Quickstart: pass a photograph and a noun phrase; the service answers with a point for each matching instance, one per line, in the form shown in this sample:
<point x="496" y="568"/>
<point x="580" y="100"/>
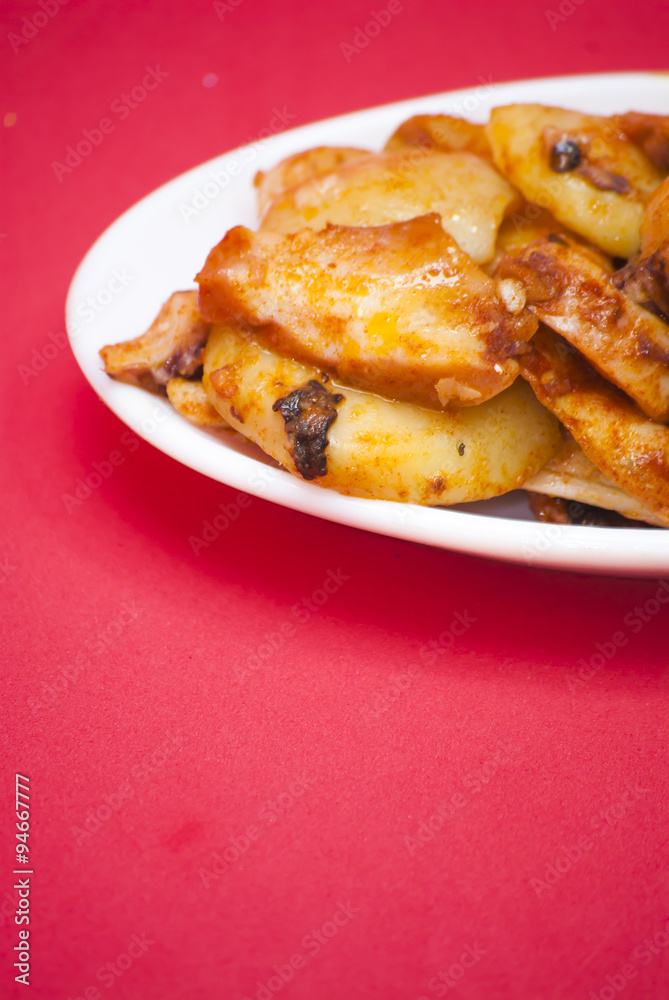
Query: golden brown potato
<point x="568" y="289"/>
<point x="366" y="446"/>
<point x="468" y="193"/>
<point x="300" y="167"/>
<point x="580" y="167"/>
<point x="396" y="309"/>
<point x="441" y="133"/>
<point x="171" y="346"/>
<point x="625" y="445"/>
<point x="188" y="397"/>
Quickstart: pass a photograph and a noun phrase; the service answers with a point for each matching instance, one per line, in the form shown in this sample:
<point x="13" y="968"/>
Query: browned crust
<point x="308" y="412"/>
<point x="171" y="346"/>
<point x="568" y="289"/>
<point x="625" y="445"/>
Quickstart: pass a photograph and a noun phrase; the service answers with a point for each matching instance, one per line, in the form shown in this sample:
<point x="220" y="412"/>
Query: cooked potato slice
<point x="569" y="289"/>
<point x="396" y="309"/>
<point x="443" y="133"/>
<point x="571" y="475"/>
<point x="582" y="168"/>
<point x="366" y="446"/>
<point x="469" y="195"/>
<point x="300" y="167"/>
<point x="191" y="401"/>
<point x="625" y="445"/>
<point x="171" y="346"/>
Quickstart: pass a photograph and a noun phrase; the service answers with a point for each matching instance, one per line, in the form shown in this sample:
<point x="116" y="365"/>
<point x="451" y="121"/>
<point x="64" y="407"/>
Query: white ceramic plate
<point x="158" y="246"/>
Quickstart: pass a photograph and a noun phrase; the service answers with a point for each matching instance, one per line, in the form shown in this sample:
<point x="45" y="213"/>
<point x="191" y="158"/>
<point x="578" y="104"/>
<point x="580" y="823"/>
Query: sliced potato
<point x="189" y="398"/>
<point x="396" y="309"/>
<point x="599" y="181"/>
<point x="366" y="446"/>
<point x="468" y="194"/>
<point x="443" y="133"/>
<point x="625" y="445"/>
<point x="300" y="167"/>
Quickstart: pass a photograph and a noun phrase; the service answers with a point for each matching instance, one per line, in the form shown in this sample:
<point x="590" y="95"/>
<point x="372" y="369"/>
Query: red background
<point x="157" y="717"/>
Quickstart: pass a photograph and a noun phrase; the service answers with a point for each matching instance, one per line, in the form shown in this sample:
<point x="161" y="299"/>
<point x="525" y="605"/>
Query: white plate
<point x="158" y="246"/>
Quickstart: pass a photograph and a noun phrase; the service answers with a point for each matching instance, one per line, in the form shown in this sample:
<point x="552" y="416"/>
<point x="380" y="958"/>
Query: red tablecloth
<point x="407" y="791"/>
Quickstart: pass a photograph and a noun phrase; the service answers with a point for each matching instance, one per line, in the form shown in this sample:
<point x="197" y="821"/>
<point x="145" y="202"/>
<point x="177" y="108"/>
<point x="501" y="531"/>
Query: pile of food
<point x="473" y="310"/>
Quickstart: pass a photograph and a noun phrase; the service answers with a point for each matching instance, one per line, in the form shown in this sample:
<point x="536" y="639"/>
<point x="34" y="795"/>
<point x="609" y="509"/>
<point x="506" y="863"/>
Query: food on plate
<point x="171" y="346"/>
<point x="189" y="397"/>
<point x="575" y="293"/>
<point x="615" y="435"/>
<point x="443" y="133"/>
<point x="582" y="168"/>
<point x="476" y="308"/>
<point x="366" y="446"/>
<point x="397" y="309"/>
<point x="468" y="194"/>
<point x="299" y="168"/>
<point x="570" y="475"/>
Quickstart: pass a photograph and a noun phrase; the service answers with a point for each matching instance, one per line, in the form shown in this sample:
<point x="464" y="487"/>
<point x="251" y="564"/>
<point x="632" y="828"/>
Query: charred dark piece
<point x="555" y="510"/>
<point x="647" y="283"/>
<point x="565" y="156"/>
<point x="308" y="412"/>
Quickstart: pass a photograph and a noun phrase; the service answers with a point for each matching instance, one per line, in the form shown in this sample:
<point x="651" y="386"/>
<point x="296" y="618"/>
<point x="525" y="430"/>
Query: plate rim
<point x="573" y="548"/>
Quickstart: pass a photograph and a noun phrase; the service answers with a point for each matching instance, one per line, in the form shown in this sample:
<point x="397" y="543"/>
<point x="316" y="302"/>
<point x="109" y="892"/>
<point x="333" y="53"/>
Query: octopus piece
<point x="570" y="289"/>
<point x="631" y="450"/>
<point x="355" y="442"/>
<point x="171" y="346"/>
<point x="582" y="168"/>
<point x="646" y="279"/>
<point x="272" y="184"/>
<point x="650" y="132"/>
<point x="395" y="309"/>
<point x="466" y="191"/>
<point x="582" y="493"/>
